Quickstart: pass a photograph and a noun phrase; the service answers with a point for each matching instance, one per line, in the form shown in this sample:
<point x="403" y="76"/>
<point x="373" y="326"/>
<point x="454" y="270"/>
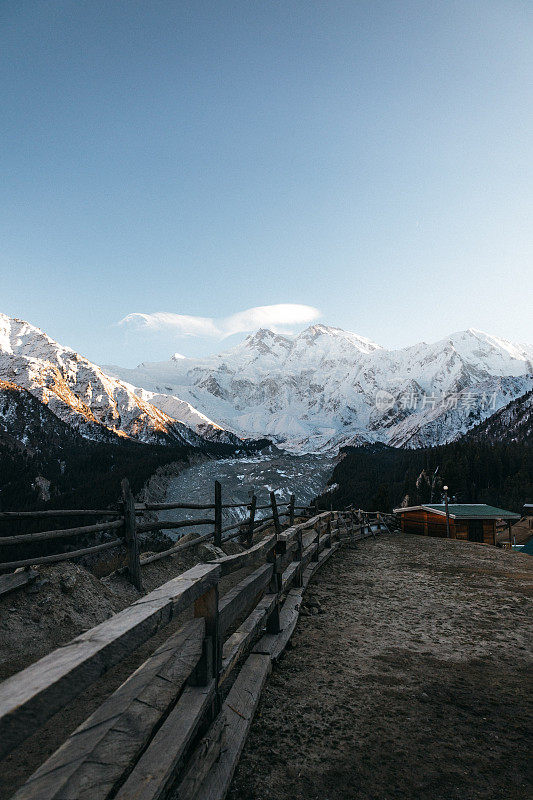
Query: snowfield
<point x="309" y="393"/>
<point x="327" y="387"/>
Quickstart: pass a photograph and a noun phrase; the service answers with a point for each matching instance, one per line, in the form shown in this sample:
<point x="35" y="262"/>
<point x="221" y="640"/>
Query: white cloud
<point x="282" y="314"/>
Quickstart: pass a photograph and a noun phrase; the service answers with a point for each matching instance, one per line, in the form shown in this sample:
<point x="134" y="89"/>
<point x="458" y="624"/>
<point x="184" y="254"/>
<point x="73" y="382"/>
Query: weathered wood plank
<point x="53" y="559"/>
<point x="32" y="696"/>
<point x="8" y="583"/>
<point x="156" y="769"/>
<point x="130" y="535"/>
<point x="238" y="710"/>
<point x="308" y="554"/>
<point x="289" y="575"/>
<point x="315" y="565"/>
<point x="258" y="552"/>
<point x="290" y="533"/>
<point x="206" y="753"/>
<point x="239" y="642"/>
<point x="64" y="512"/>
<point x="7" y="541"/>
<point x="273" y="644"/>
<point x="245" y="594"/>
<point x="100" y="752"/>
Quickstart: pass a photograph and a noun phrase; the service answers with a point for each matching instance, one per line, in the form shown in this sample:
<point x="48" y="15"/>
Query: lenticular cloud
<point x="282" y="314"/>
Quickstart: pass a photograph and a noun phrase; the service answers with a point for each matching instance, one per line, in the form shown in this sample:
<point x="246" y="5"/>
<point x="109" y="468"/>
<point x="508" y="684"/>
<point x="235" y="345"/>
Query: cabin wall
<point x="489" y="531"/>
<point x="425" y="523"/>
<point x="461" y="529"/>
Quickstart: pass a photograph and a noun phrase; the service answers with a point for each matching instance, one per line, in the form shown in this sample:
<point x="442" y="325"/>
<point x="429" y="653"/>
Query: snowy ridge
<point x="326" y="387"/>
<point x="82" y="395"/>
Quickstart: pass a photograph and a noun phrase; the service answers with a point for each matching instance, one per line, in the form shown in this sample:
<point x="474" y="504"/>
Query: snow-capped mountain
<point x="512" y="423"/>
<point x="326" y="387"/>
<point x="95" y="404"/>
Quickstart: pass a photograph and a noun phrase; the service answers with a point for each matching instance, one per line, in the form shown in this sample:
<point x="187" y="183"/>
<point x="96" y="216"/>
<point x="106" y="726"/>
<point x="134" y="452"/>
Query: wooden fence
<point x="124" y="522"/>
<point x="181" y="719"/>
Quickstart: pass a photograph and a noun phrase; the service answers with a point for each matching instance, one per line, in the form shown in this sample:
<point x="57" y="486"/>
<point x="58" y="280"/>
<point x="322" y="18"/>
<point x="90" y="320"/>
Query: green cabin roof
<point x="471" y="511"/>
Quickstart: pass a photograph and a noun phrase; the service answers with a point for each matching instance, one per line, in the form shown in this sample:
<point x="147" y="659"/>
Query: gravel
<point x="413" y="681"/>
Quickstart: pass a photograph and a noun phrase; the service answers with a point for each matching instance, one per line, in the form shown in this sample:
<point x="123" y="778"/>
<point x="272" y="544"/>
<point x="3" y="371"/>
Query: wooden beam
<point x="251" y="521"/>
<point x="275" y="515"/>
<point x="130" y="535"/>
<point x="172" y="524"/>
<point x="246" y="634"/>
<point x="64" y="512"/>
<point x="7" y="541"/>
<point x="244" y="595"/>
<point x="218" y="514"/>
<point x="272" y="644"/>
<point x="202" y="761"/>
<point x="101" y="751"/>
<point x="29" y="562"/>
<point x="257" y="552"/>
<point x="156" y="770"/>
<point x="32" y="696"/>
<point x="238" y="710"/>
<point x="291" y="510"/>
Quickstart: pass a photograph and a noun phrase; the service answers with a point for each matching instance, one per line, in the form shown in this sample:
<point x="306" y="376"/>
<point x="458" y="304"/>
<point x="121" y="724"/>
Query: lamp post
<point x="447" y="512"/>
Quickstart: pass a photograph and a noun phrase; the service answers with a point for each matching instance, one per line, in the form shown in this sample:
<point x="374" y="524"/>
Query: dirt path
<point x="411" y="683"/>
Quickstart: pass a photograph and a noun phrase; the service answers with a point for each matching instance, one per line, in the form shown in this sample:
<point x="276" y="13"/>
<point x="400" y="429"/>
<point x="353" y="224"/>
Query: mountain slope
<point x="326" y="387"/>
<point x="513" y="423"/>
<point x="45" y="462"/>
<point x="82" y="395"/>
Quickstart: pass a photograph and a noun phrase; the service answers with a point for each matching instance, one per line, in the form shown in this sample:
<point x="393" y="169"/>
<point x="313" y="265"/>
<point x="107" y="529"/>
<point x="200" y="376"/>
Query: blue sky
<point x="370" y="160"/>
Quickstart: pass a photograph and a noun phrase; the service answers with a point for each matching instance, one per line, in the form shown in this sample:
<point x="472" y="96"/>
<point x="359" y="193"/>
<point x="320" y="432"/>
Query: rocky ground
<point x="409" y="678"/>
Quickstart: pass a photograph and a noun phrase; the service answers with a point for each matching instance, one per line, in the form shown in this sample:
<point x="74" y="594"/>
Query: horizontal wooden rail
<point x="65" y="512"/>
<point x="121" y="728"/>
<point x="32" y="696"/>
<point x="53" y="559"/>
<point x="260" y="550"/>
<point x="42" y="536"/>
<point x="172" y="524"/>
<point x="141" y="507"/>
<point x="176" y="549"/>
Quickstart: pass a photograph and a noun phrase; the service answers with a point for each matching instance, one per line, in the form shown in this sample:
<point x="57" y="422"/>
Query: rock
<point x="208" y="552"/>
<point x="67" y="583"/>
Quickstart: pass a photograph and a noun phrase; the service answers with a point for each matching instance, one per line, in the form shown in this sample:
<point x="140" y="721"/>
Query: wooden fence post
<point x="316" y="554"/>
<point x="130" y="535"/>
<point x="210" y="664"/>
<point x="298" y="578"/>
<point x="328" y="534"/>
<point x="218" y="514"/>
<point x="291" y="510"/>
<point x="275" y="514"/>
<point x="251" y="521"/>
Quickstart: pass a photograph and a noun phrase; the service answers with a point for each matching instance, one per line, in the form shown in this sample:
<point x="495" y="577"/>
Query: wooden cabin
<point x="473" y="522"/>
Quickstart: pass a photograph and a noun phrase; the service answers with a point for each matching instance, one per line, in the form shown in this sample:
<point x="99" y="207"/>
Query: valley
<point x="304" y="476"/>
